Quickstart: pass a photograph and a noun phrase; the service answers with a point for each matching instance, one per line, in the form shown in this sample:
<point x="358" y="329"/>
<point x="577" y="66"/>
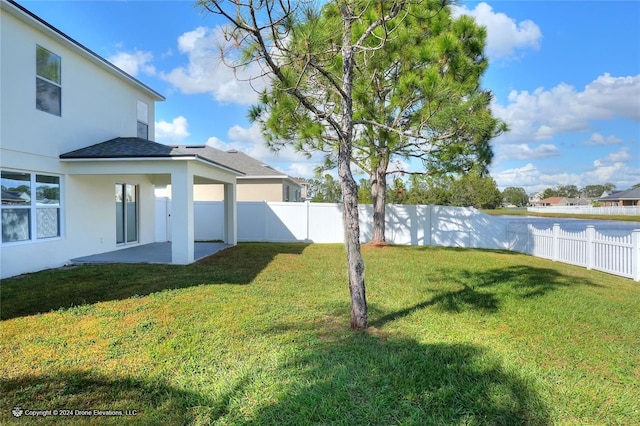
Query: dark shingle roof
<point x="248" y="165"/>
<point x="629" y="194"/>
<point x="142" y="148"/>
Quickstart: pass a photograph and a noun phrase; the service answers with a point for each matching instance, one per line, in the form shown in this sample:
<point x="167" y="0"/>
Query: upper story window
<point x="143" y="120"/>
<point x="48" y="81"/>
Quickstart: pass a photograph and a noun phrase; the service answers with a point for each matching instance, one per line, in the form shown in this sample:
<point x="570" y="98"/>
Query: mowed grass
<point x="258" y="334"/>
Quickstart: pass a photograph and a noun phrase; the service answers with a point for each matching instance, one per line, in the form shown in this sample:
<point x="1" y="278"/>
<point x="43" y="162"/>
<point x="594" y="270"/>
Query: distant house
<point x="258" y="182"/>
<point x="304" y="192"/>
<point x="77" y="166"/>
<point x="630" y="197"/>
<point x="535" y="198"/>
<point x="562" y="201"/>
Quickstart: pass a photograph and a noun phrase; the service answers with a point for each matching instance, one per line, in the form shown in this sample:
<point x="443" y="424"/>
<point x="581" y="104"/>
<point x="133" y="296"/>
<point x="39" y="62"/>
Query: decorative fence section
<point x="414" y="225"/>
<point x="608" y="211"/>
<point x="618" y="255"/>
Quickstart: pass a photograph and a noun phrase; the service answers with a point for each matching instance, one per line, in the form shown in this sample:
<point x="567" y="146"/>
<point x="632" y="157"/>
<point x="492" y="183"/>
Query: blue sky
<point x="565" y="75"/>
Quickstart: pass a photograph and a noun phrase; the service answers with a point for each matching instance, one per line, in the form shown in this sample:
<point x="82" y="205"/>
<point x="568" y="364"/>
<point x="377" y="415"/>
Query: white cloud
<point x="544" y="113"/>
<point x="134" y="63"/>
<point x="527" y="177"/>
<point x="505" y="36"/>
<point x="616" y="167"/>
<point x="525" y="152"/>
<point x="598" y="139"/>
<point x="207" y="73"/>
<point x="533" y="179"/>
<point x="613" y="158"/>
<point x="173" y="133"/>
<point x="251" y="141"/>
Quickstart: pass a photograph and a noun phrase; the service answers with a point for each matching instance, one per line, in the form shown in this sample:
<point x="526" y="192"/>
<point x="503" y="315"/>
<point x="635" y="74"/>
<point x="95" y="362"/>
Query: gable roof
<point x="35" y="21"/>
<point x="552" y="200"/>
<point x="242" y="164"/>
<point x="629" y="194"/>
<point x="138" y="148"/>
<point x="251" y="167"/>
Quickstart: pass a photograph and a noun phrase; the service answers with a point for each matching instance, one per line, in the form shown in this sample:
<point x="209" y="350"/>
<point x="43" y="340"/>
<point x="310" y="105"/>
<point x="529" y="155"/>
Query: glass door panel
<point x="132" y="213"/>
<point x="126" y="213"/>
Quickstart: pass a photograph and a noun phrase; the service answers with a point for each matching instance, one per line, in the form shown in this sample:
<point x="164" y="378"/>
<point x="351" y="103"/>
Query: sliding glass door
<point x="126" y="213"/>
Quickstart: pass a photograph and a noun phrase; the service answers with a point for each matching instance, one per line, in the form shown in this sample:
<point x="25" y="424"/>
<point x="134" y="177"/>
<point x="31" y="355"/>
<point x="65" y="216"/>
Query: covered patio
<point x="158" y="253"/>
<point x="142" y="165"/>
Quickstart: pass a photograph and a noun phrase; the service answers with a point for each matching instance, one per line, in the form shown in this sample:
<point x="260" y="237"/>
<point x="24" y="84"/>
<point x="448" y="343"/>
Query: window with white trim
<point x="30" y="206"/>
<point x="48" y="81"/>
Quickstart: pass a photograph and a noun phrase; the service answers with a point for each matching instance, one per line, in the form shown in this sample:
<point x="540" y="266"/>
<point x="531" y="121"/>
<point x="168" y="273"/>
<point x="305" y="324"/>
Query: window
<point x="143" y="120"/>
<point x="30" y="206"/>
<point x="48" y="81"/>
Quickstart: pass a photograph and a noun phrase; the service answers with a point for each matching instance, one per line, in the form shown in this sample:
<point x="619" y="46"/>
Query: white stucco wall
<point x="98" y="104"/>
<point x="88" y="224"/>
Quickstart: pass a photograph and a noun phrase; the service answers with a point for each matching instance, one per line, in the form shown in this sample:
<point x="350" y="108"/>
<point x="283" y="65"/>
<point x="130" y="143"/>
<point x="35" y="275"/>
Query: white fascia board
<point x="134" y="159"/>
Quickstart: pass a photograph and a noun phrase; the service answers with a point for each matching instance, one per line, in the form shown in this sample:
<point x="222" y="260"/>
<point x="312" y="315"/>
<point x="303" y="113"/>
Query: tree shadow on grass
<point x="484" y="291"/>
<point x="356" y="378"/>
<point x="62" y="288"/>
<point x="144" y="402"/>
<point x="343" y="378"/>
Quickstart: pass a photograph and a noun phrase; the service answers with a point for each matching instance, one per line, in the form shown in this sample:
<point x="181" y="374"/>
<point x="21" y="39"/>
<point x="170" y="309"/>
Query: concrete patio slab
<point x="149" y="253"/>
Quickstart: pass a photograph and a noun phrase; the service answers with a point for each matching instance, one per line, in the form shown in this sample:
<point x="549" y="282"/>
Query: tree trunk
<point x="359" y="315"/>
<point x="378" y="179"/>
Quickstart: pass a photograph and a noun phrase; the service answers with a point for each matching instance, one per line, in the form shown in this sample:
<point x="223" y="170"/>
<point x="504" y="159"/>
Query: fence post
<point x="591" y="233"/>
<point x="429" y="227"/>
<point x="265" y="209"/>
<point x="556" y="242"/>
<point x="635" y="256"/>
<point x="308" y="204"/>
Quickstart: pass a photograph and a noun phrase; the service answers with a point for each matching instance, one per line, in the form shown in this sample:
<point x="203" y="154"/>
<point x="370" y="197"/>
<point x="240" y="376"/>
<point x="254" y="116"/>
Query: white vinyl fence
<point x="605" y="211"/>
<point x="413" y="225"/>
<point x="618" y="255"/>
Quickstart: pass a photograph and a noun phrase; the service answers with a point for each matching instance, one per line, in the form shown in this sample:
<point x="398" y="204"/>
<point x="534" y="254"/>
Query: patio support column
<point x="182" y="244"/>
<point x="230" y="214"/>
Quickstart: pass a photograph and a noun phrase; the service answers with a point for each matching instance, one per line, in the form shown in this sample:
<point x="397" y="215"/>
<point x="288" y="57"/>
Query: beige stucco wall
<point x="246" y="190"/>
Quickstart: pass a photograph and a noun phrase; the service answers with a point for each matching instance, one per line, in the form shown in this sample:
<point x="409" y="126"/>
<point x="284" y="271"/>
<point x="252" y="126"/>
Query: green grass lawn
<point x="258" y="334"/>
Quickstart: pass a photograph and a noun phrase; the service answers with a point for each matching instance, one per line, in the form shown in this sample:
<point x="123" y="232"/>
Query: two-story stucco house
<point x="78" y="168"/>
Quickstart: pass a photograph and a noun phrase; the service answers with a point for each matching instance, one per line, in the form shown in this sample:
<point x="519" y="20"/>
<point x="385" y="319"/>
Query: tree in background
<point x="364" y="192"/>
<point x="312" y="57"/>
<point x="515" y="195"/>
<point x="595" y="191"/>
<point x="475" y="190"/>
<point x="425" y="189"/>
<point x="569" y="191"/>
<point x="397" y="192"/>
<point x="325" y="190"/>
